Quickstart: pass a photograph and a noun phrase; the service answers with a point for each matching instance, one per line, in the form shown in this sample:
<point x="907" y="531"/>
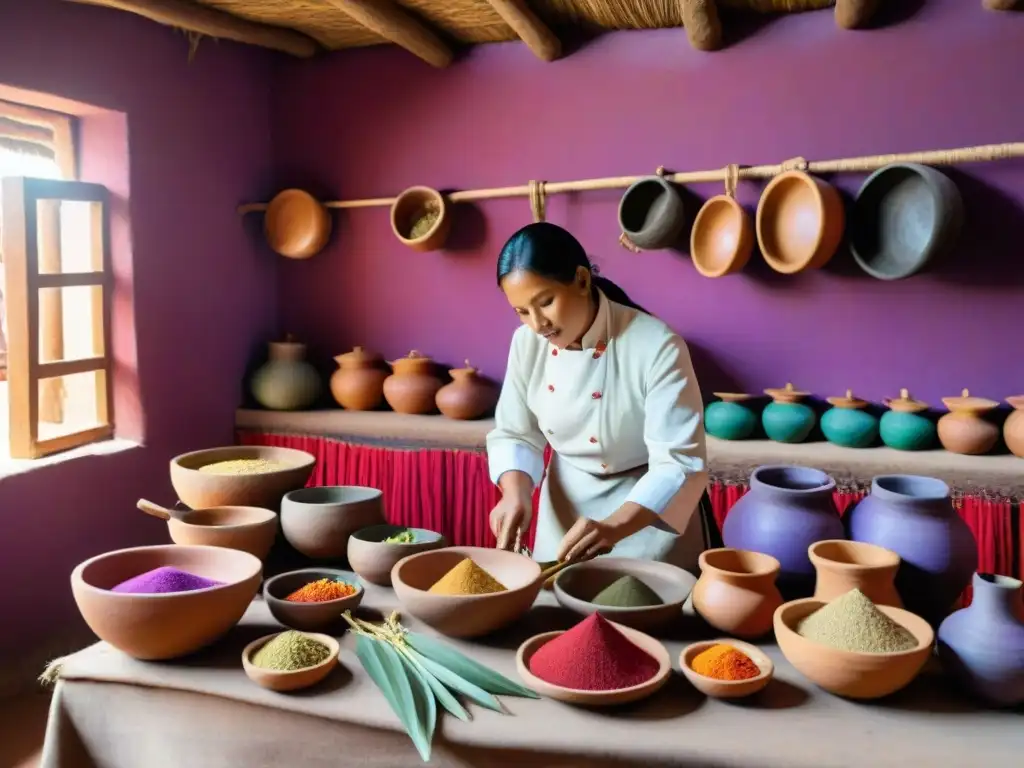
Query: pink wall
<point x="204" y="297"/>
<point x="371" y="122"/>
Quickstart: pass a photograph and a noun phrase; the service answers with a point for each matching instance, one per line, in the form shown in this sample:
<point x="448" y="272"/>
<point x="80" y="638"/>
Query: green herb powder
<point x="627" y="592"/>
<point x="290" y="651"/>
<point x="853" y="623"/>
<point x="402" y="537"/>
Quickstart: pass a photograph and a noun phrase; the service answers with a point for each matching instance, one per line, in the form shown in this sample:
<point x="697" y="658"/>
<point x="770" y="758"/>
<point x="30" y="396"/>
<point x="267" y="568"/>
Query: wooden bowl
<point x="250" y="529"/>
<point x="722" y="237"/>
<point x="317" y="521"/>
<point x="407" y="209"/>
<point x="800" y="221"/>
<point x="277" y="680"/>
<point x="727" y="689"/>
<point x="199" y="490"/>
<point x="596" y="698"/>
<point x="578" y="584"/>
<point x="467" y="615"/>
<point x="852" y="674"/>
<point x="373" y="558"/>
<point x="309" y="617"/>
<point x="842" y="565"/>
<point x="165" y="626"/>
<point x="296" y="224"/>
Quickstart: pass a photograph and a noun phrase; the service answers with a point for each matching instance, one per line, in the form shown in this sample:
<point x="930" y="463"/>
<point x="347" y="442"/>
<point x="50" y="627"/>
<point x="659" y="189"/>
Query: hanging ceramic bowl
<point x="965" y="429"/>
<point x="848" y="423"/>
<point x="296" y="224"/>
<point x="420" y="218"/>
<point x="786" y="419"/>
<point x="800" y="221"/>
<point x="906" y="426"/>
<point x="651" y="214"/>
<point x="722" y="237"/>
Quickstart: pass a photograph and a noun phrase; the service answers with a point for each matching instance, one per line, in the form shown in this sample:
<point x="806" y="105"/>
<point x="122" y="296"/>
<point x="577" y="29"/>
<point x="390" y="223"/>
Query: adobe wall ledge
<point x="999" y="476"/>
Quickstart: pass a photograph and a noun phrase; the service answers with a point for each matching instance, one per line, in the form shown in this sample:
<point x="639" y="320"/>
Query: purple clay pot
<point x="914" y="517"/>
<point x="787" y="509"/>
<point x="982" y="645"/>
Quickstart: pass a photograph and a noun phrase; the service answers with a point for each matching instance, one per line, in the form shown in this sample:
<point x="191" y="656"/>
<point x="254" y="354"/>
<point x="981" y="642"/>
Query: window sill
<point x="9" y="466"/>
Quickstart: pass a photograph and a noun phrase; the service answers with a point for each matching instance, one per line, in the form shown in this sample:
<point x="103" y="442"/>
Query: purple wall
<point x="199" y="139"/>
<point x="371" y="122"/>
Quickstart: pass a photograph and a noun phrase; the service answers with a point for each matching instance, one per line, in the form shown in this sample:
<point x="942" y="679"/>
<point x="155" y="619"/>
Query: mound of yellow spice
<point x="467" y="578"/>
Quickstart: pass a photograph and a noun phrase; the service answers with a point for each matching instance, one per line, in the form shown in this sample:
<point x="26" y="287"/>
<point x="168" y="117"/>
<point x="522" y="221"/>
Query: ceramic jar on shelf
<point x="731" y="417"/>
<point x="358" y="384"/>
<point x="1013" y="428"/>
<point x="468" y="396"/>
<point x="848" y="423"/>
<point x="906" y="426"/>
<point x="786" y="419"/>
<point x="965" y="429"/>
<point x="286" y="382"/>
<point x="844" y="565"/>
<point x="736" y="591"/>
<point x="413" y="385"/>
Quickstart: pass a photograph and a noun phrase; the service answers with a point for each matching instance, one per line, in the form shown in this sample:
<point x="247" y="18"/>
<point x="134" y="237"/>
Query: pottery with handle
<point x="249" y="529"/>
<point x="848" y="422"/>
<point x="651" y="213"/>
<point x="358" y="384"/>
<point x="965" y="429"/>
<point x="413" y="386"/>
<point x="731" y="417"/>
<point x="1013" y="427"/>
<point x="736" y="591"/>
<point x="841" y="566"/>
<point x="906" y="426"/>
<point x="468" y="396"/>
<point x="286" y="382"/>
<point x="786" y="419"/>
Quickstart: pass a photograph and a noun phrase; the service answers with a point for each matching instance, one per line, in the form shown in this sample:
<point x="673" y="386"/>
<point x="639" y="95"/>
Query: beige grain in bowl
<point x="290" y="680"/>
<point x="257" y="476"/>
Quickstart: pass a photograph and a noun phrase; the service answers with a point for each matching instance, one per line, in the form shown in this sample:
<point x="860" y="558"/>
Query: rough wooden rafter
<point x="531" y="30"/>
<point x="391" y="22"/>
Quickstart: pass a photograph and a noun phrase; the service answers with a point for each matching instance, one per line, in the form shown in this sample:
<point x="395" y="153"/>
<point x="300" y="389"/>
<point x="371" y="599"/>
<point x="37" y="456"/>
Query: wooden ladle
<point x="161" y="512"/>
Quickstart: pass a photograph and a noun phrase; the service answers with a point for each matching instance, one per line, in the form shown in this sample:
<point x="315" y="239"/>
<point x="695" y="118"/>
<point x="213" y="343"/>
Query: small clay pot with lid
<point x="413" y="386"/>
<point x="1013" y="428"/>
<point x="468" y="396"/>
<point x="965" y="429"/>
<point x="731" y="418"/>
<point x="358" y="384"/>
<point x="786" y="419"/>
<point x="848" y="424"/>
<point x="906" y="426"/>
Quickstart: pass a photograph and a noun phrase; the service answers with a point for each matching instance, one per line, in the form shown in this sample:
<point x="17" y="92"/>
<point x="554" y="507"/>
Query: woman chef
<point x="612" y="390"/>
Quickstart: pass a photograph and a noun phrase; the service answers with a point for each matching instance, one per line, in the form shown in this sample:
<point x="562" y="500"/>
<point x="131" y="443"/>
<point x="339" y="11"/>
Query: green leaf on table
<point x="465" y="667"/>
<point x="441" y="693"/>
<point x="457" y="683"/>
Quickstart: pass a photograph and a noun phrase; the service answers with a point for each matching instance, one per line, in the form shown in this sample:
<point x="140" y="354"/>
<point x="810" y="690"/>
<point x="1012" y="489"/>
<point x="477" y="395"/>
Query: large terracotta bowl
<point x="841" y="566"/>
<point x="800" y="221"/>
<point x="373" y="558"/>
<point x="250" y="529"/>
<point x="165" y="626"/>
<point x="289" y="680"/>
<point x="578" y="584"/>
<point x="467" y="615"/>
<point x="852" y="674"/>
<point x="199" y="490"/>
<point x="318" y="521"/>
<point x="727" y="689"/>
<point x="309" y="617"/>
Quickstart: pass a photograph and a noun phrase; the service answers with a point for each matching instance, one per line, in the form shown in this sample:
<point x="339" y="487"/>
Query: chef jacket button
<point x="593" y="439"/>
<point x="554" y="352"/>
<point x="597" y="355"/>
<point x="596" y="395"/>
<point x="551" y="387"/>
<point x="604" y="466"/>
<point x="551" y="432"/>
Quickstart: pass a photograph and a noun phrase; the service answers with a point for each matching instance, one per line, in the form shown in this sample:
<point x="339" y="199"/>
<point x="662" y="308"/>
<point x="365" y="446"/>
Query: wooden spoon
<point x="161" y="512"/>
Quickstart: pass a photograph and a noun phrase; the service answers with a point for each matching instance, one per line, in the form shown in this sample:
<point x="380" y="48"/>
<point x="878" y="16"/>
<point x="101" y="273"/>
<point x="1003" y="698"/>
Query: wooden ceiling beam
<point x="393" y="23"/>
<point x="213" y="23"/>
<point x="531" y="30"/>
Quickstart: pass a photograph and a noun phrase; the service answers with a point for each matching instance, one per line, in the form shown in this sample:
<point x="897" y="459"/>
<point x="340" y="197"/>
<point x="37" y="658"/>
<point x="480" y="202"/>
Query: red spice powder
<point x="593" y="656"/>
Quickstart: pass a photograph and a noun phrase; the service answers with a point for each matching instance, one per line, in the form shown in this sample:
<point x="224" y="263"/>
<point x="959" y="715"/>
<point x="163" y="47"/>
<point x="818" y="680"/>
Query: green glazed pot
<point x="786" y="419"/>
<point x="906" y="426"/>
<point x="848" y="424"/>
<point x="731" y="418"/>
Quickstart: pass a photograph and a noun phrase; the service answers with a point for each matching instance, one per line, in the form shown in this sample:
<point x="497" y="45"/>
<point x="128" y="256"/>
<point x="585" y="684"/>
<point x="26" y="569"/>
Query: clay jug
<point x="468" y="396"/>
<point x="964" y="429"/>
<point x="286" y="382"/>
<point x="358" y="384"/>
<point x="844" y="565"/>
<point x="736" y="591"/>
<point x="730" y="419"/>
<point x="785" y="511"/>
<point x="786" y="419"/>
<point x="413" y="385"/>
<point x="982" y="645"/>
<point x="848" y="423"/>
<point x="906" y="426"/>
<point x="914" y="517"/>
<point x="1013" y="429"/>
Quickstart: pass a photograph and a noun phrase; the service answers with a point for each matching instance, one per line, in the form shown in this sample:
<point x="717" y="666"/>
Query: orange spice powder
<point x="321" y="591"/>
<point x="723" y="662"/>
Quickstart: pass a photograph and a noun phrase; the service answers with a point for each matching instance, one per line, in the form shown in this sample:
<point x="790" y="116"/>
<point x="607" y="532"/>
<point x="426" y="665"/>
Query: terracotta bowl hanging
<point x="651" y="213"/>
<point x="296" y="224"/>
<point x="800" y="221"/>
<point x="420" y="218"/>
<point x="722" y="237"/>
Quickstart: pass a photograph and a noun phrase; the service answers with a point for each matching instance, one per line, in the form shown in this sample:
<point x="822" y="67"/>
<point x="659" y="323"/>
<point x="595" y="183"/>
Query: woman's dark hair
<point x="549" y="251"/>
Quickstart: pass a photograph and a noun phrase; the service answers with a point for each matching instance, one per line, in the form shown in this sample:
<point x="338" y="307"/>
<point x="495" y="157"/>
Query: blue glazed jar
<point x="906" y="426"/>
<point x="848" y="424"/>
<point x="731" y="418"/>
<point x="786" y="419"/>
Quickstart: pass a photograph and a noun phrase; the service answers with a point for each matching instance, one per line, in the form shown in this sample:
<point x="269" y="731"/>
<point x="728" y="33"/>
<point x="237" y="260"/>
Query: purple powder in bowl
<point x="164" y="579"/>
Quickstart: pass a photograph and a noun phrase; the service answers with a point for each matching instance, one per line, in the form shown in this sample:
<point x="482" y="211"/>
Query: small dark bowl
<point x="309" y="617"/>
<point x="651" y="213"/>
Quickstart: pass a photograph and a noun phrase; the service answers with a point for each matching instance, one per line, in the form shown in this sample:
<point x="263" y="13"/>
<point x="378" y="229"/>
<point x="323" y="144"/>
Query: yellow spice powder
<point x="242" y="467"/>
<point x="467" y="578"/>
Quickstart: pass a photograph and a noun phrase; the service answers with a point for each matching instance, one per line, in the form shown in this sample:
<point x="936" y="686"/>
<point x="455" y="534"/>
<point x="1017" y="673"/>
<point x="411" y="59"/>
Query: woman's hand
<point x="512" y="514"/>
<point x="589" y="538"/>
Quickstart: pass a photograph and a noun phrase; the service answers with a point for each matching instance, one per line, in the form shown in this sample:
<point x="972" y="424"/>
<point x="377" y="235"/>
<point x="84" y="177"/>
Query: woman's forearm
<point x="514" y="482"/>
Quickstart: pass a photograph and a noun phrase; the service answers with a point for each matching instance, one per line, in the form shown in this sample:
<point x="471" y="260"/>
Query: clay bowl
<point x="800" y="222"/>
<point x="295" y="680"/>
<point x="722" y="237"/>
<point x="200" y="490"/>
<point x="727" y="689"/>
<point x="467" y="615"/>
<point x="736" y="592"/>
<point x="309" y="617"/>
<point x="165" y="626"/>
<point x="852" y="674"/>
<point x="409" y="206"/>
<point x="374" y="559"/>
<point x="596" y="698"/>
<point x="578" y="584"/>
<point x="318" y="521"/>
<point x="844" y="565"/>
<point x="296" y="224"/>
<point x="250" y="529"/>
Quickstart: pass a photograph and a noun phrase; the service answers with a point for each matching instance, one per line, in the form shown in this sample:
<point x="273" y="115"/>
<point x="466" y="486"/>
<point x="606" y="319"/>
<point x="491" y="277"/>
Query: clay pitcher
<point x="736" y="591"/>
<point x="965" y="429"/>
<point x="413" y="385"/>
<point x="1013" y="429"/>
<point x="844" y="565"/>
<point x="468" y="396"/>
<point x="358" y="384"/>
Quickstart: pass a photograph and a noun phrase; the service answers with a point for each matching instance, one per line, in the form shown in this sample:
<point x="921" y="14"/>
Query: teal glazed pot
<point x="786" y="419"/>
<point x="731" y="418"/>
<point x="848" y="424"/>
<point x="906" y="426"/>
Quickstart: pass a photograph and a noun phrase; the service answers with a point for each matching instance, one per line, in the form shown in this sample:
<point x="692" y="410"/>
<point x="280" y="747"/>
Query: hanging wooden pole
<point x="394" y="24"/>
<point x="531" y="30"/>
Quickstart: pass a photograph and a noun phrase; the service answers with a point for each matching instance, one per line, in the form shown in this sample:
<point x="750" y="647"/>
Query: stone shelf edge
<point x="1000" y="476"/>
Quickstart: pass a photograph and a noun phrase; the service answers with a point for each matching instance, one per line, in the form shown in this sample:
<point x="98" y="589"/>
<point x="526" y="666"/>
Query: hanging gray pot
<point x="651" y="214"/>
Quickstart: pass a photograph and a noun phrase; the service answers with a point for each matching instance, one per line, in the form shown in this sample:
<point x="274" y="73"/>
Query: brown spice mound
<point x="853" y="623"/>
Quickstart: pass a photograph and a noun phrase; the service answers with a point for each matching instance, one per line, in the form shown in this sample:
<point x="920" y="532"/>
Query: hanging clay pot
<point x="965" y="429"/>
<point x="413" y="385"/>
<point x="786" y="419"/>
<point x="358" y="384"/>
<point x="906" y="426"/>
<point x="731" y="418"/>
<point x="468" y="396"/>
<point x="848" y="424"/>
<point x="1013" y="428"/>
<point x="286" y="382"/>
<point x="651" y="213"/>
<point x="736" y="591"/>
<point x="844" y="565"/>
